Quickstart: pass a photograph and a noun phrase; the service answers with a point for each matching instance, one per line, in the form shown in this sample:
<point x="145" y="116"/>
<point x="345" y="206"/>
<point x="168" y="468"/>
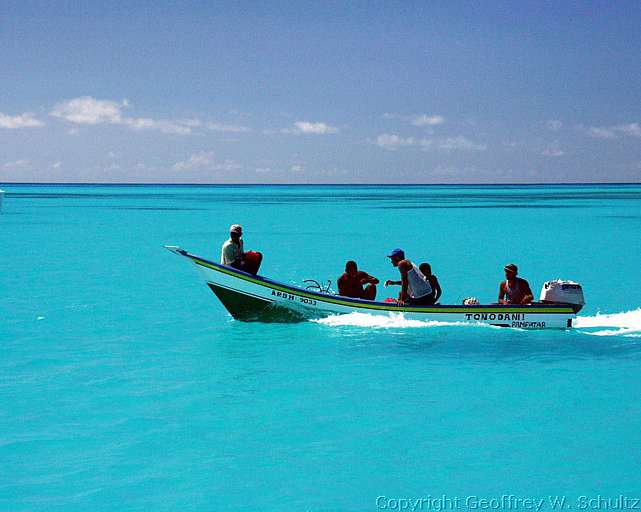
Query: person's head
<point x="351" y="268"/>
<point x="235" y="231"/>
<point x="396" y="256"/>
<point x="510" y="271"/>
<point x="426" y="269"/>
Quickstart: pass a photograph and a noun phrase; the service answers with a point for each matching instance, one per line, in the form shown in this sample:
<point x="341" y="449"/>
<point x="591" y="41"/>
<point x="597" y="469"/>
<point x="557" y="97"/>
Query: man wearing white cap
<point x="232" y="252"/>
<point x="234" y="255"/>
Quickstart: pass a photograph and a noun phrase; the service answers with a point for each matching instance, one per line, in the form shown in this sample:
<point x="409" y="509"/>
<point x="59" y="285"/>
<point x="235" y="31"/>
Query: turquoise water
<point x="126" y="386"/>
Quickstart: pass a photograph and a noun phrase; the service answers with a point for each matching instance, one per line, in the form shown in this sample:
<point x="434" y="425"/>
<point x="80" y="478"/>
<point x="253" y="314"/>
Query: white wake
<point x="390" y="321"/>
<point x="627" y="323"/>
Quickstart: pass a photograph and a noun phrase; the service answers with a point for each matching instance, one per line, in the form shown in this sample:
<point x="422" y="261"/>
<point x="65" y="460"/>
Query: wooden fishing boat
<point x="255" y="298"/>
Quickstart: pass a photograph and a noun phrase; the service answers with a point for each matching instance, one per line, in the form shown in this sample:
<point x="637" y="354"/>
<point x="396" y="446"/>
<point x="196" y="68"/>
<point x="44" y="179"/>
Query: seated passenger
<point x="514" y="290"/>
<point x="426" y="270"/>
<point x="415" y="288"/>
<point x="233" y="255"/>
<point x="350" y="284"/>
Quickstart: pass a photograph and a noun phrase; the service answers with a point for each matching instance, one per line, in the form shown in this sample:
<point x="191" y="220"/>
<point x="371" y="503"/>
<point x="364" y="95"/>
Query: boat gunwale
<point x="536" y="308"/>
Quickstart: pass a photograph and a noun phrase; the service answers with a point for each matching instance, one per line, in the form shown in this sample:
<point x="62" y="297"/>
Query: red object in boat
<point x="252" y="259"/>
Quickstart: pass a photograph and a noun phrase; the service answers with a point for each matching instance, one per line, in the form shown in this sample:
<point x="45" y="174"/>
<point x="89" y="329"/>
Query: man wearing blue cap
<point x="415" y="287"/>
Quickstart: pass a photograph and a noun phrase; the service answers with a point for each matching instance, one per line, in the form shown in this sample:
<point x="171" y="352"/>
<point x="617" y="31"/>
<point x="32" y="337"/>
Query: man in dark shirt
<point x="350" y="284"/>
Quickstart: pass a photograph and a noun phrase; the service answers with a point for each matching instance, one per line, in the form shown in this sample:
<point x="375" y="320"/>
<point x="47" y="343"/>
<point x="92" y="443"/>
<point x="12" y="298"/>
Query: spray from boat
<point x="627" y="323"/>
<point x="392" y="321"/>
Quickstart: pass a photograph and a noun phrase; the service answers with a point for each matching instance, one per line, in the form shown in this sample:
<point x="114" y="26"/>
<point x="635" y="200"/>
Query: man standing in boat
<point x="415" y="288"/>
<point x="233" y="255"/>
<point x="350" y="284"/>
<point x="514" y="290"/>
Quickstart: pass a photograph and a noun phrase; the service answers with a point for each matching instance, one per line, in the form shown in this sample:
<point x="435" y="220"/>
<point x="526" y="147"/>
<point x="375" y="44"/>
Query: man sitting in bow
<point x="232" y="253"/>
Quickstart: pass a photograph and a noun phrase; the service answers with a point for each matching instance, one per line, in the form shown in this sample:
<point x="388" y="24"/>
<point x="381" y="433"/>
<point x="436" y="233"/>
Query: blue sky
<point x="322" y="92"/>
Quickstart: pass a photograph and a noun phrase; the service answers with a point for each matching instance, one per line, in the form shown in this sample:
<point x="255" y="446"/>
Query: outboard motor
<point x="563" y="292"/>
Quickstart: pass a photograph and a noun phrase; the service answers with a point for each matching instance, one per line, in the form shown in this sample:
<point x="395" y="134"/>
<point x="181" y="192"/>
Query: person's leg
<point x="369" y="293"/>
<point x="430" y="299"/>
<point x="426" y="300"/>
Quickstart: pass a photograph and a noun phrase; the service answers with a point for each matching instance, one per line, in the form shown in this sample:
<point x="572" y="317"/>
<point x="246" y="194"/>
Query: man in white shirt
<point x="232" y="252"/>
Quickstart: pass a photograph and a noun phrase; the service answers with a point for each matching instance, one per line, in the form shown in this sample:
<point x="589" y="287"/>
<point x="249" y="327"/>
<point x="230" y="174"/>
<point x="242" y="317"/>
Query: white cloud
<point x="554" y="125"/>
<point x="192" y="123"/>
<point x="219" y="127"/>
<point x="227" y="165"/>
<point x="279" y="169"/>
<point x="88" y="110"/>
<point x="601" y="133"/>
<point x="17" y="164"/>
<point x="392" y="142"/>
<point x="56" y="165"/>
<point x="26" y="120"/>
<point x="451" y="171"/>
<point x="459" y="143"/>
<point x="417" y="119"/>
<point x="170" y="127"/>
<point x="307" y="127"/>
<point x="141" y="166"/>
<point x="631" y="130"/>
<point x="613" y="132"/>
<point x="424" y="120"/>
<point x="204" y="161"/>
<point x="195" y="161"/>
<point x="553" y="151"/>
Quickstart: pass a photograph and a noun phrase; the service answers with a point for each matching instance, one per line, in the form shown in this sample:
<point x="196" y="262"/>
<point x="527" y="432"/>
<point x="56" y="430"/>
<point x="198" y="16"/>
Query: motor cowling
<point x="562" y="292"/>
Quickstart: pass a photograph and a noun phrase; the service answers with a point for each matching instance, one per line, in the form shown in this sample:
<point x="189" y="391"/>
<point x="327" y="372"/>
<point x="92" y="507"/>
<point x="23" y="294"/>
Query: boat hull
<point x="255" y="298"/>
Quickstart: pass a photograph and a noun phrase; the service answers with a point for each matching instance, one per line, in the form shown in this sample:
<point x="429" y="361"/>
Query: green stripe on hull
<point x="358" y="305"/>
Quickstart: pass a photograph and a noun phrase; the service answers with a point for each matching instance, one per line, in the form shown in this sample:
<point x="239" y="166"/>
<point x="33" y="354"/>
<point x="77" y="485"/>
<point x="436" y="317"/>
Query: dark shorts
<point x="425" y="300"/>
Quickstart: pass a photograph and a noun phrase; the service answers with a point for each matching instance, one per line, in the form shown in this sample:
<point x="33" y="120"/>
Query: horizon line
<point x="133" y="183"/>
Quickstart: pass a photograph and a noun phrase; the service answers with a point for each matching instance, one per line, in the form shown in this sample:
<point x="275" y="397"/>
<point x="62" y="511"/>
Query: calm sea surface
<point x="124" y="384"/>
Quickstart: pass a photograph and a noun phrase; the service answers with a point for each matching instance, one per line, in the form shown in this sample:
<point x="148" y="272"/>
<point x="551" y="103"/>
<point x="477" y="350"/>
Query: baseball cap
<point x="396" y="252"/>
<point x="511" y="267"/>
<point x="235" y="228"/>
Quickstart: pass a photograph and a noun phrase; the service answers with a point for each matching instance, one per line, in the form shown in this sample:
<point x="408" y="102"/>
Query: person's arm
<point x="241" y="246"/>
<point x="389" y="283"/>
<point x="529" y="296"/>
<point x="367" y="279"/>
<point x="502" y="293"/>
<point x="437" y="288"/>
<point x="404" y="267"/>
<point x="239" y="258"/>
